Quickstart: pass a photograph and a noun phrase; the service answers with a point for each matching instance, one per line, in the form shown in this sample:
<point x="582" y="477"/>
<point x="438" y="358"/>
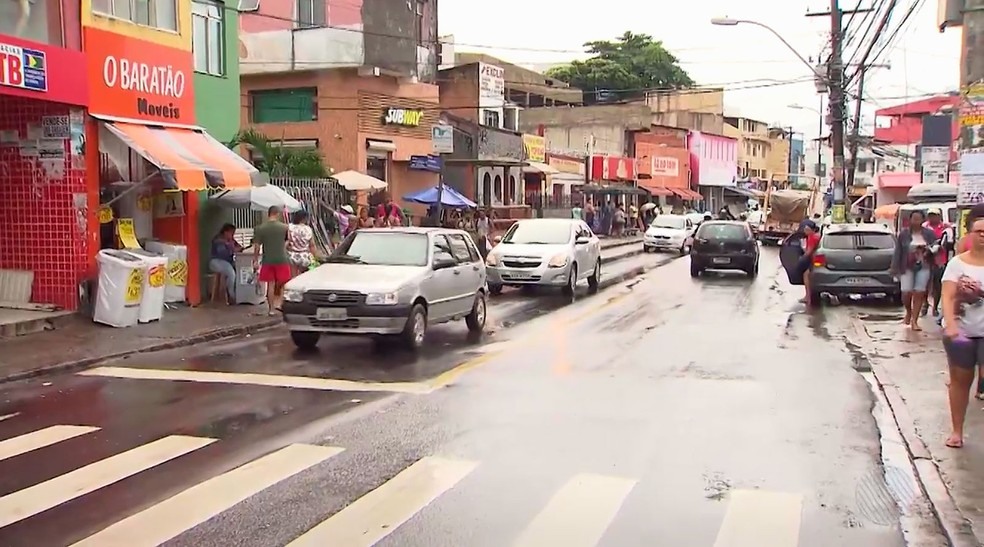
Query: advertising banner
<point x="40" y="71"/>
<point x="971" y="190"/>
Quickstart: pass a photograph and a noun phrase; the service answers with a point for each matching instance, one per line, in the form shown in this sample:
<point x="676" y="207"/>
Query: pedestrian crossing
<point x="578" y="514"/>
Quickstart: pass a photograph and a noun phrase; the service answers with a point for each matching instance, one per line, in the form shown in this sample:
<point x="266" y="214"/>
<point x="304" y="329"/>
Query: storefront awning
<point x="655" y="189"/>
<point x="538" y="167"/>
<point x="687" y="194"/>
<point x="188" y="159"/>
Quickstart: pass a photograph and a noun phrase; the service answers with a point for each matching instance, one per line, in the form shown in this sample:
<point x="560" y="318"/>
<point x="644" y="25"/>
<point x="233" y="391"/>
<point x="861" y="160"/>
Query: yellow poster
<point x="157" y="277"/>
<point x="177" y="273"/>
<point x="128" y="236"/>
<point x="145" y="203"/>
<point x="105" y="214"/>
<point x="134" y="287"/>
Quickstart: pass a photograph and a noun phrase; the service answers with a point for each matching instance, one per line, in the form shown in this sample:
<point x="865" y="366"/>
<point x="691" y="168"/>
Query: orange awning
<point x="656" y="190"/>
<point x="188" y="159"/>
<point x="687" y="194"/>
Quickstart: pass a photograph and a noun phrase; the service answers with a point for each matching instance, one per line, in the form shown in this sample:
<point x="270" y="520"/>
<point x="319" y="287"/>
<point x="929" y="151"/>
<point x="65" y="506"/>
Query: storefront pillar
<point x="192" y="241"/>
<point x="92" y="195"/>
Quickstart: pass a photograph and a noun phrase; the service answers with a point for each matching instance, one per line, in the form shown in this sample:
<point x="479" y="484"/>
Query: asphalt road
<point x="669" y="411"/>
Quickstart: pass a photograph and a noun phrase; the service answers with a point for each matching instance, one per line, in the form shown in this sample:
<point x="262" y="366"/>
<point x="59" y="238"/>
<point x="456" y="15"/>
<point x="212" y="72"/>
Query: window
<point x="727" y="232"/>
<point x="161" y="14"/>
<point x="459" y="249"/>
<point x="283" y="105"/>
<point x="421" y="29"/>
<point x="376" y="167"/>
<point x="539" y="232"/>
<point x="858" y="241"/>
<point x="490" y="118"/>
<point x="442" y="249"/>
<point x="310" y="13"/>
<point x="384" y="249"/>
<point x="207" y="38"/>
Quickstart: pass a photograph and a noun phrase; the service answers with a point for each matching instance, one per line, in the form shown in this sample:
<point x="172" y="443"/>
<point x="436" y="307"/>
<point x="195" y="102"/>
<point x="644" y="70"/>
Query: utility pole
<point x="835" y="83"/>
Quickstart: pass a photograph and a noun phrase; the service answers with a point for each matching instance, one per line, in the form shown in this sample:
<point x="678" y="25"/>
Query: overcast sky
<point x="527" y="32"/>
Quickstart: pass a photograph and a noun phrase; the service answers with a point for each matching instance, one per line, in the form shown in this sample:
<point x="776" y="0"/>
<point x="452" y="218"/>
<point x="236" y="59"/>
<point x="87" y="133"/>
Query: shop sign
<point x="971" y="188"/>
<point x="426" y="163"/>
<point x="536" y="148"/>
<point x="564" y="165"/>
<point x="442" y="139"/>
<point x="23" y="68"/>
<point x="666" y="167"/>
<point x="491" y="82"/>
<point x="612" y="168"/>
<point x="140" y="80"/>
<point x="403" y="116"/>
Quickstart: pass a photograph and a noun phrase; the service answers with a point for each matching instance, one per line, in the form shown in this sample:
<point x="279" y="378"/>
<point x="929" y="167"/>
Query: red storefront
<point x="46" y="211"/>
<point x="612" y="170"/>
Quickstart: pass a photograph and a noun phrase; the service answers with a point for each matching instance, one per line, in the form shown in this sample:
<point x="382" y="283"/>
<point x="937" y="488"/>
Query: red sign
<point x="39" y="71"/>
<point x="614" y="168"/>
<point x="139" y="80"/>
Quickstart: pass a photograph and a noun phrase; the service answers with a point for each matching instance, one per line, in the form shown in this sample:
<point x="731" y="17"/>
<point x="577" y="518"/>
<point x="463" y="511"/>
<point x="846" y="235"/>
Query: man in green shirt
<point x="270" y="239"/>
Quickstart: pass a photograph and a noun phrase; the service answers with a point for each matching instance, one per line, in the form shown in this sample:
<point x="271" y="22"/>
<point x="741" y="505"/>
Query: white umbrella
<point x="260" y="198"/>
<point x="355" y="181"/>
<point x="647" y="206"/>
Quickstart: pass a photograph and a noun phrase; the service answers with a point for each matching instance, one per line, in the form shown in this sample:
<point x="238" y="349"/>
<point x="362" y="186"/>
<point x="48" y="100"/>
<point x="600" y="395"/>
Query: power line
<point x="873" y="14"/>
<point x="916" y="6"/>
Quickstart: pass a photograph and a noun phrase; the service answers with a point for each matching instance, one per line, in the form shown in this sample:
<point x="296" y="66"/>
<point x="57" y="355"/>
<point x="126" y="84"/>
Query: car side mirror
<point x="443" y="262"/>
<point x="497" y="239"/>
<point x="582" y="240"/>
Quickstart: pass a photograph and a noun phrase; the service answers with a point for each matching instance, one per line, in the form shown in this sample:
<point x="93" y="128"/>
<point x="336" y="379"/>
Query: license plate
<point x="855" y="280"/>
<point x="519" y="274"/>
<point x="332" y="314"/>
<point x="722" y="261"/>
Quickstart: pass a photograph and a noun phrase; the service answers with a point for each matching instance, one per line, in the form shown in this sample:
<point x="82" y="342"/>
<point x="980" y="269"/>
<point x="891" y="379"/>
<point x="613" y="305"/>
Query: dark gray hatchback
<point x="855" y="259"/>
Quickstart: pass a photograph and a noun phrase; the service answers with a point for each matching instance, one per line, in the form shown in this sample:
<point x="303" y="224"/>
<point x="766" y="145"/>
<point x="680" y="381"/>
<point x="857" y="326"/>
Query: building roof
<point x="923" y="106"/>
<point x="525" y="80"/>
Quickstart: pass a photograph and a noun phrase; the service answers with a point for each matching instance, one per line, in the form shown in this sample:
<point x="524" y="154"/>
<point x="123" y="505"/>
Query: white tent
<point x="355" y="181"/>
<point x="259" y="198"/>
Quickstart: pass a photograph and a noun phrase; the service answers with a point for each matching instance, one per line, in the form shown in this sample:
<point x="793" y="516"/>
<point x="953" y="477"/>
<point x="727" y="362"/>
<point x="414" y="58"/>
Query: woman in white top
<point x="963" y="325"/>
<point x="300" y="244"/>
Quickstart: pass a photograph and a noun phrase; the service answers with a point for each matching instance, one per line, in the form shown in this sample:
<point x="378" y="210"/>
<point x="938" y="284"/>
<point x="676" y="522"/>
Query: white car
<point x="669" y="233"/>
<point x="545" y="251"/>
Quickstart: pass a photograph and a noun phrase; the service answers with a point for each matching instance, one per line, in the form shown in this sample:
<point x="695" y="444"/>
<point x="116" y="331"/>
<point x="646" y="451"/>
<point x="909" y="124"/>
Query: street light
<point x="729" y="22"/>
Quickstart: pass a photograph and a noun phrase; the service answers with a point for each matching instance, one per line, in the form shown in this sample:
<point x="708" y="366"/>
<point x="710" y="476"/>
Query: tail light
<point x="819" y="261"/>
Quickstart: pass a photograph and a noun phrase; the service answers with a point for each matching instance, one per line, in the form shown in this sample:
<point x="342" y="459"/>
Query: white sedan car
<point x="547" y="252"/>
<point x="669" y="233"/>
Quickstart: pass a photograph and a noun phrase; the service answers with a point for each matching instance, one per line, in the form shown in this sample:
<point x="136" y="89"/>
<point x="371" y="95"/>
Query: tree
<point x="628" y="66"/>
<point x="280" y="161"/>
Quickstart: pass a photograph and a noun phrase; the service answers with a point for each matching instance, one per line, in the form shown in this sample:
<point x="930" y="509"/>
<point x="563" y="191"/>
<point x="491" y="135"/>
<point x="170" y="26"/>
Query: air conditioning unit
<point x="249" y="5"/>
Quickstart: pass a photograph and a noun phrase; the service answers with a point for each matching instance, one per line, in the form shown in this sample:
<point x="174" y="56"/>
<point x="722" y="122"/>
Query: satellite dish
<point x="249" y="5"/>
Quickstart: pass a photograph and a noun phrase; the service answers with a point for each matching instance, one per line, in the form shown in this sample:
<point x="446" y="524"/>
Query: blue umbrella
<point x="450" y="198"/>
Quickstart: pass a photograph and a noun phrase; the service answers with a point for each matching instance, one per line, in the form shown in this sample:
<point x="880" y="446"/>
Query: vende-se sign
<point x="140" y="80"/>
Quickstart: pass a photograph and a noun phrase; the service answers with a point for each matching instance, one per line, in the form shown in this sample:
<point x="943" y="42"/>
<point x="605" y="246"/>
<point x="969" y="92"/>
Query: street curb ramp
<point x="200" y="338"/>
<point x="955" y="526"/>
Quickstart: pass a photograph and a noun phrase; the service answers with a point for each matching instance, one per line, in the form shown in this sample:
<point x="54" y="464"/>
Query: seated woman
<point x="223" y="259"/>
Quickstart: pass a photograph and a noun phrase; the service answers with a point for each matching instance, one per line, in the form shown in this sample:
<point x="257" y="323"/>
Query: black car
<point x="724" y="245"/>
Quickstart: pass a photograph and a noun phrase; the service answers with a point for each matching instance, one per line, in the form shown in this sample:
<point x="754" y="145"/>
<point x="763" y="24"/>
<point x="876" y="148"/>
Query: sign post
<point x="442" y="142"/>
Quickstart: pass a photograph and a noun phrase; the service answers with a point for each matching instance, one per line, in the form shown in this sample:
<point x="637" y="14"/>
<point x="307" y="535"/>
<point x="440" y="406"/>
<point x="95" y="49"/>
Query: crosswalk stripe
<point x="252" y="379"/>
<point x="377" y="514"/>
<point x="41" y="438"/>
<point x="170" y="518"/>
<point x="761" y="519"/>
<point x="41" y="497"/>
<point x="579" y="513"/>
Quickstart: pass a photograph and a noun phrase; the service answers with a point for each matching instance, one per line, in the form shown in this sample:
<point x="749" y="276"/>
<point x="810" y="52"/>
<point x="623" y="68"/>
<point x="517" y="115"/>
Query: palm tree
<point x="280" y="161"/>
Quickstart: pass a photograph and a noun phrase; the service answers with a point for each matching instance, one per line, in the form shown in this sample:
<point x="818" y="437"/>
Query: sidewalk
<point x="80" y="342"/>
<point x="911" y="369"/>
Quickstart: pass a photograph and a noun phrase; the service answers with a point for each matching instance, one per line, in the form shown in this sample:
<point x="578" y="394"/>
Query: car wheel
<point x="571" y="282"/>
<point x="694" y="270"/>
<point x="753" y="271"/>
<point x="476" y="319"/>
<point x="416" y="328"/>
<point x="495" y="289"/>
<point x="683" y="249"/>
<point x="595" y="280"/>
<point x="305" y="340"/>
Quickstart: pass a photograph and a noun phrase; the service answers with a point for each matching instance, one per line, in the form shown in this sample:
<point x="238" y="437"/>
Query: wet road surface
<point x="665" y="411"/>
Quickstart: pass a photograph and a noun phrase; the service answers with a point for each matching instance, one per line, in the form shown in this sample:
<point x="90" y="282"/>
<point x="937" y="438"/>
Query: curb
<point x="207" y="336"/>
<point x="956" y="527"/>
<point x="636" y="271"/>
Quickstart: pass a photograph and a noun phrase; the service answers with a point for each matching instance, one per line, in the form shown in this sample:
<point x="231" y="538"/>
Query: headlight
<point x="492" y="260"/>
<point x="559" y="261"/>
<point x="293" y="295"/>
<point x="382" y="298"/>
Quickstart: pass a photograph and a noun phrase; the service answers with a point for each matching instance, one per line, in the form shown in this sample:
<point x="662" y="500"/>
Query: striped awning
<point x="188" y="159"/>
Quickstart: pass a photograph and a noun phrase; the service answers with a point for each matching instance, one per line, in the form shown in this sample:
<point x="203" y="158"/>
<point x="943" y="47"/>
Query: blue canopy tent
<point x="450" y="198"/>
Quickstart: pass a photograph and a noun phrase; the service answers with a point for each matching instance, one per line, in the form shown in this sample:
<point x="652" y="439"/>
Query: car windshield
<point x="669" y="221"/>
<point x="730" y="232"/>
<point x="383" y="248"/>
<point x="858" y="241"/>
<point x="538" y="233"/>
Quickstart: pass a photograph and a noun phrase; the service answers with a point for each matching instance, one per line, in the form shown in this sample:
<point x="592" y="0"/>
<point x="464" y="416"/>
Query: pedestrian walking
<point x="483" y="229"/>
<point x="934" y="221"/>
<point x="271" y="247"/>
<point x="301" y="250"/>
<point x="912" y="264"/>
<point x="963" y="325"/>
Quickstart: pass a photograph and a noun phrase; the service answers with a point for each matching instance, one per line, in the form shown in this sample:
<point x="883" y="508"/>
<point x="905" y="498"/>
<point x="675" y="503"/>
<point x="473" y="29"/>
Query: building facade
<point x="713" y="166"/>
<point x="694" y="109"/>
<point x="754" y="146"/>
<point x="595" y="129"/>
<point x="378" y="37"/>
<point x="779" y="157"/>
<point x="47" y="210"/>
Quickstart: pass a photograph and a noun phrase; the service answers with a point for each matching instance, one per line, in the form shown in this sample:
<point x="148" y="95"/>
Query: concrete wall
<point x="575" y="129"/>
<point x="699" y="110"/>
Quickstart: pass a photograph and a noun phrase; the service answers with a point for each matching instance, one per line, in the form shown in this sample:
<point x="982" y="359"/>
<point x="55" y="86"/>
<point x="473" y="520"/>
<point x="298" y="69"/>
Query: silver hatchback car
<point x="389" y="282"/>
<point x="855" y="259"/>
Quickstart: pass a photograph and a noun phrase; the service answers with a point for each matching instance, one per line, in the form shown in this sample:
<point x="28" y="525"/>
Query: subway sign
<point x="406" y="117"/>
